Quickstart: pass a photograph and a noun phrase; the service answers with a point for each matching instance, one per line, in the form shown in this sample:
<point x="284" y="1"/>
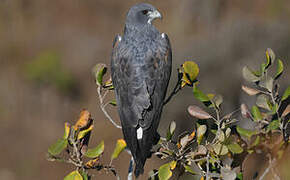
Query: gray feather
<point x="141" y="69"/>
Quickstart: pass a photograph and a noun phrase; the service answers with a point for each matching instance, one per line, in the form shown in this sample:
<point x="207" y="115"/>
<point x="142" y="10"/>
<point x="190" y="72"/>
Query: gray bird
<point x="141" y="69"/>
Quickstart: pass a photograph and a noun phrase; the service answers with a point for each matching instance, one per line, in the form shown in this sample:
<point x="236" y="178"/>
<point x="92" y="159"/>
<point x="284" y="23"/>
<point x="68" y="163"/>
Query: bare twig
<point x="73" y="162"/>
<point x="207" y="168"/>
<point x="102" y="105"/>
<point x="77" y="153"/>
<point x="270" y="167"/>
<point x="176" y="89"/>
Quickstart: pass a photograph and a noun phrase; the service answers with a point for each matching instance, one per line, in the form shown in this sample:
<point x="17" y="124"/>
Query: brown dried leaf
<point x="245" y="111"/>
<point x="250" y="91"/>
<point x="286" y="111"/>
<point x="198" y="112"/>
<point x="84" y="120"/>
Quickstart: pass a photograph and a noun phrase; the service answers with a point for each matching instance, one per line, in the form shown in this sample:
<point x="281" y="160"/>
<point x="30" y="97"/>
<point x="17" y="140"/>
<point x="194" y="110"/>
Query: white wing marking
<point x="139" y="133"/>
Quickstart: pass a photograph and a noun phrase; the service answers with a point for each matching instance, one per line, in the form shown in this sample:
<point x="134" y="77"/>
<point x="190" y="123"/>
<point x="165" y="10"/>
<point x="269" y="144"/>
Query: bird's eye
<point x="145" y="11"/>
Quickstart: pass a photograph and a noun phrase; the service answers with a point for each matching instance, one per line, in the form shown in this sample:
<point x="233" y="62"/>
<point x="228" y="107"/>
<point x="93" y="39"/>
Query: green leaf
<point x="120" y="146"/>
<point x="85" y="132"/>
<point x="58" y="147"/>
<point x="201" y="130"/>
<point x="75" y="175"/>
<point x="286" y="94"/>
<point x="263" y="102"/>
<point x="170" y="131"/>
<point x="100" y="71"/>
<point x="172" y="165"/>
<point x="274" y="108"/>
<point x="217" y="100"/>
<point x="256" y="142"/>
<point x="239" y="176"/>
<point x="191" y="69"/>
<point x="220" y="136"/>
<point x="190" y="170"/>
<point x="95" y="152"/>
<point x="249" y="75"/>
<point x="113" y="102"/>
<point x="66" y="130"/>
<point x="84" y="175"/>
<point x="220" y="149"/>
<point x="267" y="82"/>
<point x="273" y="125"/>
<point x="256" y="113"/>
<point x="245" y="132"/>
<point x="228" y="132"/>
<point x="199" y="95"/>
<point x="228" y="174"/>
<point x="280" y="68"/>
<point x="235" y="148"/>
<point x="270" y="55"/>
<point x="164" y="172"/>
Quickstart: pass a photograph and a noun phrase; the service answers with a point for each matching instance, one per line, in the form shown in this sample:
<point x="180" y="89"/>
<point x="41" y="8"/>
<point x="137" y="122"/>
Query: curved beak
<point x="153" y="15"/>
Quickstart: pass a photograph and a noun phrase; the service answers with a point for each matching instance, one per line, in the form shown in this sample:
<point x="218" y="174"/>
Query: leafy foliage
<point x="217" y="146"/>
<point x="72" y="149"/>
<point x="208" y="150"/>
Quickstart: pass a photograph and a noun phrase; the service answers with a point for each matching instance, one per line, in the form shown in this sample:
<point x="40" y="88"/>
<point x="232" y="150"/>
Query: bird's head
<point x="141" y="14"/>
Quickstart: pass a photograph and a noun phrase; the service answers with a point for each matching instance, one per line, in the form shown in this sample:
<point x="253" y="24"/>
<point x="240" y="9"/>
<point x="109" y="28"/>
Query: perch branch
<point x="176" y="89"/>
<point x="270" y="167"/>
<point x="102" y="105"/>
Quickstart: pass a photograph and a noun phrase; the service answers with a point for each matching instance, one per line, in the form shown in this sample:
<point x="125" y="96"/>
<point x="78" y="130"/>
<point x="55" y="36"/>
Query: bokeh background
<point x="49" y="47"/>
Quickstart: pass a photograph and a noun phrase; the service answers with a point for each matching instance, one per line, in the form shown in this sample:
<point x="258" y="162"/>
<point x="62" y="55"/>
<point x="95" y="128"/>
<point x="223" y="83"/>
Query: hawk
<point x="140" y="70"/>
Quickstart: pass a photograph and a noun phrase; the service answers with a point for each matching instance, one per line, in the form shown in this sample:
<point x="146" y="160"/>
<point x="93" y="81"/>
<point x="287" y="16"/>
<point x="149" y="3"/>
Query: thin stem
<point x="207" y="168"/>
<point x="101" y="99"/>
<point x="270" y="167"/>
<point x="72" y="162"/>
<point x="176" y="89"/>
<point x="77" y="152"/>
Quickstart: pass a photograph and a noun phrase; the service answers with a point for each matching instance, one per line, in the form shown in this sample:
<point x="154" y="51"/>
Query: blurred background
<point x="49" y="47"/>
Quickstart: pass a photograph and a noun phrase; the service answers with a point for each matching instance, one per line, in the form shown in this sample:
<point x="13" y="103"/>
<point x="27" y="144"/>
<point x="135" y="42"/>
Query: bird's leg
<point x="130" y="169"/>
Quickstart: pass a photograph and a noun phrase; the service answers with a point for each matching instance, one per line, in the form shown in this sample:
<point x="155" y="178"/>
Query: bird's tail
<point x="140" y="149"/>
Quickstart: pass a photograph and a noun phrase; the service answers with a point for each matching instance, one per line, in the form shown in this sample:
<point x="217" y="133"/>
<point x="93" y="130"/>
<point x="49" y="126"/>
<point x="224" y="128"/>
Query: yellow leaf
<point x="66" y="130"/>
<point x="172" y="165"/>
<point x="120" y="146"/>
<point x="164" y="172"/>
<point x="92" y="163"/>
<point x="75" y="175"/>
<point x="192" y="134"/>
<point x="84" y="132"/>
<point x="185" y="79"/>
<point x="210" y="96"/>
<point x="183" y="84"/>
<point x="191" y="69"/>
